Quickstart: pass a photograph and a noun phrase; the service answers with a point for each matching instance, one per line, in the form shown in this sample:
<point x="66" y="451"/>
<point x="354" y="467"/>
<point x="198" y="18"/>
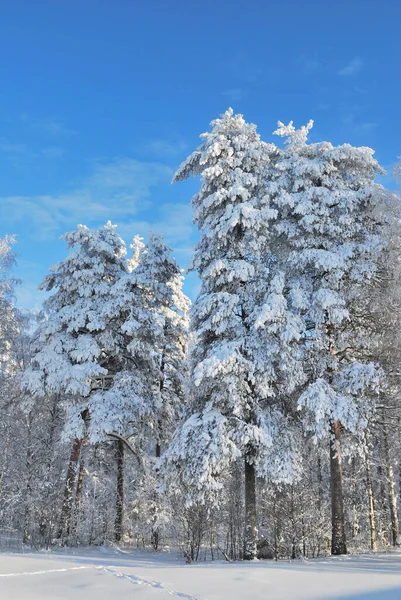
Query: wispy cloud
<point x="12" y="147"/>
<point x="310" y="64"/>
<point x="241" y="77"/>
<point x="352" y="68"/>
<point x="48" y="125"/>
<point x="24" y="152"/>
<point x="168" y="147"/>
<point x="241" y="69"/>
<point x="115" y="191"/>
<point x="53" y="152"/>
<point x="235" y="94"/>
<point x="365" y="127"/>
<point x="358" y="127"/>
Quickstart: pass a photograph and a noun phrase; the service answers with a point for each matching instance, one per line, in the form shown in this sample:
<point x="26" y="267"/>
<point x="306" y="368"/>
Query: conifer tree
<point x="160" y="278"/>
<point x="161" y="281"/>
<point x="326" y="198"/>
<point x="75" y="351"/>
<point x="73" y="346"/>
<point x="237" y="411"/>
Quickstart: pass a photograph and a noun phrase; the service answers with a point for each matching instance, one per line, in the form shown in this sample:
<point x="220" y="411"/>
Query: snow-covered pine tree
<point x="145" y="400"/>
<point x="331" y="241"/>
<point x="381" y="308"/>
<point x="76" y="352"/>
<point x="73" y="347"/>
<point x="160" y="280"/>
<point x="129" y="407"/>
<point x="237" y="413"/>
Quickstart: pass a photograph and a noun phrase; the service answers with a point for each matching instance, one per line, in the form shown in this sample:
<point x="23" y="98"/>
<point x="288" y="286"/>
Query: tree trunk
<point x="161" y="388"/>
<point x="391" y="490"/>
<point x="4" y="457"/>
<point x="155" y="535"/>
<point x="250" y="511"/>
<point x="78" y="491"/>
<point x="372" y="519"/>
<point x="77" y="500"/>
<point x="118" y="524"/>
<point x="320" y="485"/>
<point x="47" y="513"/>
<point x="399" y="462"/>
<point x="66" y="511"/>
<point x="27" y="529"/>
<point x="383" y="500"/>
<point x="338" y="543"/>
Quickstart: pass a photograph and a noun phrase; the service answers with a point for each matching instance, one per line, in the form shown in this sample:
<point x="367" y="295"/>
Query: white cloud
<point x="24" y="152"/>
<point x="235" y="94"/>
<point x="358" y="128"/>
<point x="166" y="148"/>
<point x="241" y="69"/>
<point x="365" y="127"/>
<point x="11" y="147"/>
<point x="352" y="68"/>
<point x="53" y="152"/>
<point x="114" y="191"/>
<point x="48" y="125"/>
<point x="310" y="64"/>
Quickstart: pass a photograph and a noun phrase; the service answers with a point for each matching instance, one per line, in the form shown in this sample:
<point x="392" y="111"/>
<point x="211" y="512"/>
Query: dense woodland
<point x="262" y="420"/>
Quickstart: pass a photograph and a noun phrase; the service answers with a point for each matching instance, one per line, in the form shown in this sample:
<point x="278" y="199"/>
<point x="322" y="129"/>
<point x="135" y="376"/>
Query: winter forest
<point x="261" y="420"/>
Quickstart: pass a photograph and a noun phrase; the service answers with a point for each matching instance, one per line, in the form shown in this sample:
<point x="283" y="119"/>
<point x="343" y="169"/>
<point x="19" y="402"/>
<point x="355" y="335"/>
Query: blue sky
<point x="100" y="100"/>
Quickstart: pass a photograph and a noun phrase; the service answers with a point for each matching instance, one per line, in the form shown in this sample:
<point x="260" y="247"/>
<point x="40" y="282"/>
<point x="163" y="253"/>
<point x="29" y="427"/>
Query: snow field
<point x="110" y="575"/>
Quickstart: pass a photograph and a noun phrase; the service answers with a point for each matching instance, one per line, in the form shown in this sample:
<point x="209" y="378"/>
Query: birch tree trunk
<point x="338" y="543"/>
<point x="391" y="490"/>
<point x="372" y="518"/>
<point x="399" y="462"/>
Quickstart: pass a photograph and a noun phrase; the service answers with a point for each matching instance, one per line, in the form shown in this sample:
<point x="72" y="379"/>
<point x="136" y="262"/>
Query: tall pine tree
<point x="161" y="281"/>
<point x="77" y="349"/>
<point x="330" y="244"/>
<point x="237" y="413"/>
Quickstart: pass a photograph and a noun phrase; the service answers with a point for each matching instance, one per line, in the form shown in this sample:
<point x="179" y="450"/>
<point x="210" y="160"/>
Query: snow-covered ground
<point x="106" y="574"/>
